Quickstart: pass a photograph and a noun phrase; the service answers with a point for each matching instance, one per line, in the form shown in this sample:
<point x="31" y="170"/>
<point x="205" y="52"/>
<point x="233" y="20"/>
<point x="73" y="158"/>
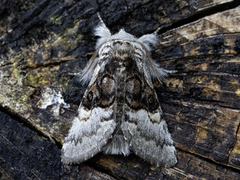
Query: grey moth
<point x="120" y="111"/>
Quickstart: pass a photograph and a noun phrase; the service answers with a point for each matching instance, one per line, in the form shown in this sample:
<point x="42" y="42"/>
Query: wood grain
<point x="42" y="45"/>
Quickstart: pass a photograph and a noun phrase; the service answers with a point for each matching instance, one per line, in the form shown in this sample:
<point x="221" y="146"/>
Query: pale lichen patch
<point x="237" y="91"/>
<point x="51" y="97"/>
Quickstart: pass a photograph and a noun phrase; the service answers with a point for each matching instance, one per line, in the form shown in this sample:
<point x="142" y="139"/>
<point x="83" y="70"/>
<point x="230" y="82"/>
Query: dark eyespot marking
<point x="133" y="92"/>
<point x="90" y="96"/>
<point x="133" y="85"/>
<point x="107" y="85"/>
<point x="150" y="99"/>
<point x="107" y="88"/>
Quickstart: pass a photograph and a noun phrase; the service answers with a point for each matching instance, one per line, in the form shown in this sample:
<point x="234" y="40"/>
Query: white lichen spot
<point x="51" y="97"/>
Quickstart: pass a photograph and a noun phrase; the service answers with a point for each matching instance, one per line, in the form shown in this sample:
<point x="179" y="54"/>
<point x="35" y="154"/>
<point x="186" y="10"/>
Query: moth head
<point x="105" y="35"/>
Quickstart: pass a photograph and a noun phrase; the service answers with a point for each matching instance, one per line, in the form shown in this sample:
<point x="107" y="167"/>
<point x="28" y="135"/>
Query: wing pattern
<point x="94" y="125"/>
<point x="120" y="111"/>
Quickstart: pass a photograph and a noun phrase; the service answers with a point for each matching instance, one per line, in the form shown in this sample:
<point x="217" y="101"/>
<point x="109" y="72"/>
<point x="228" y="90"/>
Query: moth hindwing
<point x="120" y="111"/>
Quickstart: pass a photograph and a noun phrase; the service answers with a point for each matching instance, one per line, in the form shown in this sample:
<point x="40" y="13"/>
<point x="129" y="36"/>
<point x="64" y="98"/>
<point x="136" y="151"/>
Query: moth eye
<point x="90" y="96"/>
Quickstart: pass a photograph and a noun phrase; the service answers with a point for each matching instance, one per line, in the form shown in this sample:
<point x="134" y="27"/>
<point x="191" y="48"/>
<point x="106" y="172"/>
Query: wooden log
<point x="42" y="43"/>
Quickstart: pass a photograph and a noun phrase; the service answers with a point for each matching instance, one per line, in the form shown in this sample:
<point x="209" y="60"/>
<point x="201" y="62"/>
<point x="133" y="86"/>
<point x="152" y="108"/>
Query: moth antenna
<point x="101" y="19"/>
<point x="158" y="29"/>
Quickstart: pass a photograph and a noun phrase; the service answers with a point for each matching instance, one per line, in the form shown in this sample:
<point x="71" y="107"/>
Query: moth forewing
<point x="120" y="111"/>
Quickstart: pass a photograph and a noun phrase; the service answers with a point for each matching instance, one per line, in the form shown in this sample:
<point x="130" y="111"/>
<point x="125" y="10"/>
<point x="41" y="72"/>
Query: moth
<point x="120" y="110"/>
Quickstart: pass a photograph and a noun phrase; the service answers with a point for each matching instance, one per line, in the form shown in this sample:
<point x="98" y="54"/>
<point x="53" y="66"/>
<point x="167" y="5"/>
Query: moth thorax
<point x="121" y="54"/>
<point x="125" y="49"/>
<point x="122" y="64"/>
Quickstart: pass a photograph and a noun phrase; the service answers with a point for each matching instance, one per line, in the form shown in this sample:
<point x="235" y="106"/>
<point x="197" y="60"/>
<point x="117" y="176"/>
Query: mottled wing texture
<point x="93" y="126"/>
<point x="120" y="111"/>
<point x="143" y="126"/>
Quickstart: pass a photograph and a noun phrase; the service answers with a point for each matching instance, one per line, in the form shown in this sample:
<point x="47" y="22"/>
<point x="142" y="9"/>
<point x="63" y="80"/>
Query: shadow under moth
<point x="120" y="111"/>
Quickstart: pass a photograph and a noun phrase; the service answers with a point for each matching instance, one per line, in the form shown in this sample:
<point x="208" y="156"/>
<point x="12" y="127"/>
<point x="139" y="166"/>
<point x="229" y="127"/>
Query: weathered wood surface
<point x="42" y="42"/>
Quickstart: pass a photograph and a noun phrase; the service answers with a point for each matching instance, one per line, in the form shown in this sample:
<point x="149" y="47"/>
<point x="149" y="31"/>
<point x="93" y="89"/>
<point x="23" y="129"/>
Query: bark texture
<point x="43" y="42"/>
